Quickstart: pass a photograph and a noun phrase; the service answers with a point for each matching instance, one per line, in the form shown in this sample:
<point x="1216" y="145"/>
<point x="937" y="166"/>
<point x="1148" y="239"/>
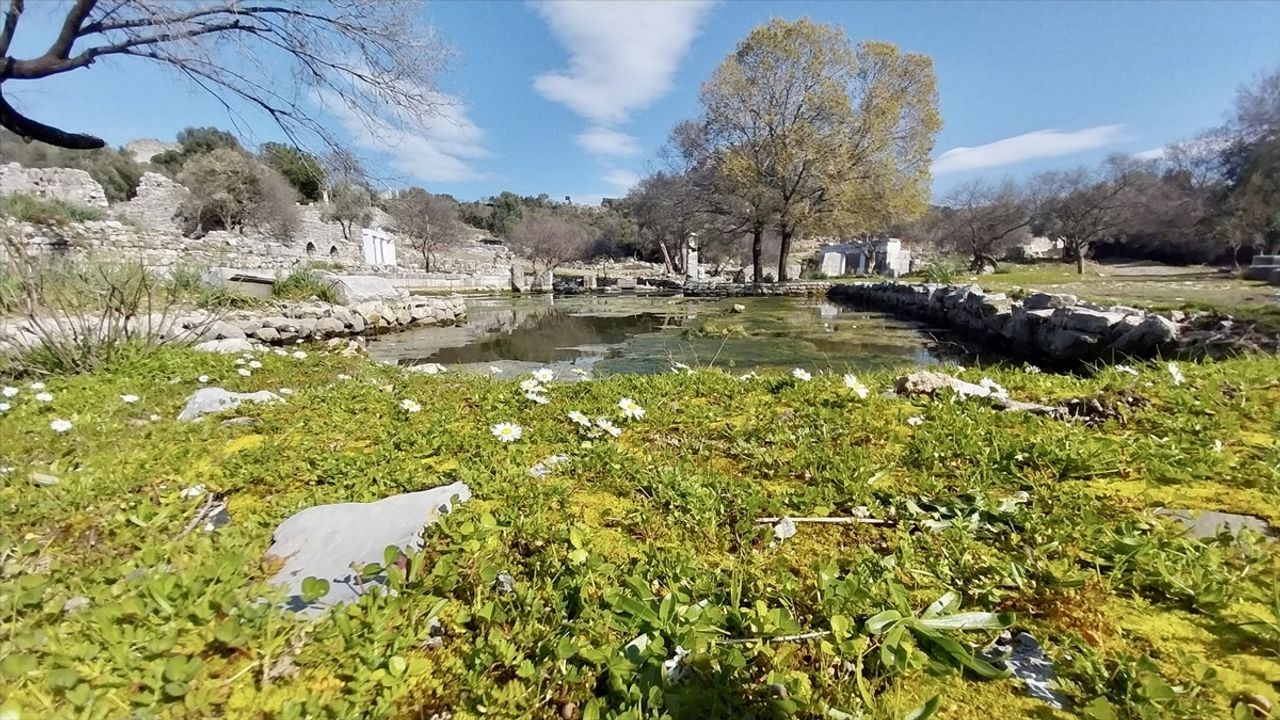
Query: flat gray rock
<point x="328" y="541"/>
<point x="226" y="346"/>
<point x="214" y="399"/>
<point x="1208" y="523"/>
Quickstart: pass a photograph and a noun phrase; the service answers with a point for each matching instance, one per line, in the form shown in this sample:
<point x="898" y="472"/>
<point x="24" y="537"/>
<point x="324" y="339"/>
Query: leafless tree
<point x="549" y="241"/>
<point x="430" y="221"/>
<point x="1082" y="206"/>
<point x="371" y="60"/>
<point x="986" y="219"/>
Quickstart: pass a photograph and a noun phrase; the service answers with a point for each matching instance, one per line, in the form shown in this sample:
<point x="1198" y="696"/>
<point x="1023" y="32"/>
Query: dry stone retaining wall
<point x="1055" y="327"/>
<point x="70" y="185"/>
<point x="719" y="289"/>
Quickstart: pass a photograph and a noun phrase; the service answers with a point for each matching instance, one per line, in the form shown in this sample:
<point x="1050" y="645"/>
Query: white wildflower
<point x="1175" y="372"/>
<point x="44" y="397"/>
<point x="194" y="491"/>
<point x="495" y="370"/>
<point x="202" y="379"/>
<point x="1030" y="369"/>
<point x="544" y="375"/>
<point x="544" y="466"/>
<point x="747" y="376"/>
<point x="255" y="364"/>
<point x="679" y="367"/>
<point x="36" y="386"/>
<point x="915" y="420"/>
<point x="4" y="407"/>
<point x="244" y="372"/>
<point x="580" y="372"/>
<point x="59" y="425"/>
<point x="281" y="353"/>
<point x="507" y="431"/>
<point x="430" y="369"/>
<point x="286" y="391"/>
<point x="129" y="399"/>
<point x="801" y="374"/>
<point x="606" y="425"/>
<point x="674" y="666"/>
<point x="535" y="397"/>
<point x="531" y="386"/>
<point x="153" y="417"/>
<point x="1217" y="446"/>
<point x="6" y="470"/>
<point x="240" y="361"/>
<point x="631" y="409"/>
<point x="994" y="389"/>
<point x="9" y="391"/>
<point x="785" y="528"/>
<point x="342" y="376"/>
<point x="299" y="355"/>
<point x="580" y="418"/>
<point x="1126" y="370"/>
<point x="410" y="406"/>
<point x="852" y="382"/>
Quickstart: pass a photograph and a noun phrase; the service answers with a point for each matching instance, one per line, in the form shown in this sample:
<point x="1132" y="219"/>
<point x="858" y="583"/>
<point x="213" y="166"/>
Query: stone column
<point x="692" y="269"/>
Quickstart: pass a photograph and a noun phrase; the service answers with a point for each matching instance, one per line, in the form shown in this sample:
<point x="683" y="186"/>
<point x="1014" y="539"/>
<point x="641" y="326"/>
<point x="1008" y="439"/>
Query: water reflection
<point x="645" y="334"/>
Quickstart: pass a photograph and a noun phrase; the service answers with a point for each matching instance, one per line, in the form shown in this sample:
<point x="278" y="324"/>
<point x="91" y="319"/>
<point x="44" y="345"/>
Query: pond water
<point x="609" y="334"/>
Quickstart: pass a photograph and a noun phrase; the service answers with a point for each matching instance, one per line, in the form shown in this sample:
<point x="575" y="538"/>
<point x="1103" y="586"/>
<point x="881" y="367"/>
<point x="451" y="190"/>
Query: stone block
<point x="214" y="399"/>
<point x="1095" y="322"/>
<point x="353" y="290"/>
<point x="1042" y="301"/>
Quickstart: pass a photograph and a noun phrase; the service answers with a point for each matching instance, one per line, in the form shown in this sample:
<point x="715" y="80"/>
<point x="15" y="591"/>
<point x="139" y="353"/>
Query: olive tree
<point x="1082" y="207"/>
<point x="984" y="220"/>
<point x="429" y="221"/>
<point x="548" y="241"/>
<point x="366" y="57"/>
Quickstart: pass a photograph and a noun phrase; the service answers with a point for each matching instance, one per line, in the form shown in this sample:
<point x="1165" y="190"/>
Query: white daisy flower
<point x="44" y="397"/>
<point x="1217" y="446"/>
<point x="6" y="470"/>
<point x="535" y="397"/>
<point x="202" y="379"/>
<point x="631" y="409"/>
<point x="994" y="389"/>
<point x="343" y="376"/>
<point x="801" y="374"/>
<point x="60" y="425"/>
<point x="507" y="431"/>
<point x="9" y="391"/>
<point x="674" y="666"/>
<point x="153" y="417"/>
<point x="129" y="399"/>
<point x="544" y="375"/>
<point x="192" y="492"/>
<point x="915" y="420"/>
<point x="4" y="407"/>
<point x="580" y="418"/>
<point x="281" y="353"/>
<point x="255" y="364"/>
<point x="410" y="406"/>
<point x="606" y="425"/>
<point x="531" y="386"/>
<point x="1030" y="369"/>
<point x="244" y="372"/>
<point x="299" y="355"/>
<point x="36" y="386"/>
<point x="1126" y="370"/>
<point x="852" y="382"/>
<point x="240" y="361"/>
<point x="580" y="372"/>
<point x="747" y="376"/>
<point x="1176" y="373"/>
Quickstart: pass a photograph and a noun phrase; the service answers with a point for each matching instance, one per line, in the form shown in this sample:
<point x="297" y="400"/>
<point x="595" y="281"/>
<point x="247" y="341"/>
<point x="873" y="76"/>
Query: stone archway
<point x="311" y="249"/>
<point x="333" y="251"/>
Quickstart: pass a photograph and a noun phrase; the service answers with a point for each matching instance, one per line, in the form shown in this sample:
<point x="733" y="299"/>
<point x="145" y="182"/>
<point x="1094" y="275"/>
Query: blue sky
<point x="575" y="98"/>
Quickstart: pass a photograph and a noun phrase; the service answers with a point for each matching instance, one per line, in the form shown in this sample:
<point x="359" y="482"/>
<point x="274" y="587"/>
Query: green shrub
<point x="941" y="271"/>
<point x="302" y="284"/>
<point x="46" y="211"/>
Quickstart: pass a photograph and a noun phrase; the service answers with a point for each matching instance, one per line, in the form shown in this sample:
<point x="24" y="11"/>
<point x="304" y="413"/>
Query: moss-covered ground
<point x="640" y="545"/>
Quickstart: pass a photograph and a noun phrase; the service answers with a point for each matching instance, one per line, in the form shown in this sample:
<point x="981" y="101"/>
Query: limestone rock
<point x="214" y="399"/>
<point x="1042" y="301"/>
<point x="1095" y="322"/>
<point x="927" y="382"/>
<point x="227" y="346"/>
<point x="326" y="541"/>
<point x="351" y="290"/>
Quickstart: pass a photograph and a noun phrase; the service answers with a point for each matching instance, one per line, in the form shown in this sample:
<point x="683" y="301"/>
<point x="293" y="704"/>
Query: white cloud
<point x="622" y="54"/>
<point x="1152" y="154"/>
<point x="621" y="180"/>
<point x="606" y="141"/>
<point x="1030" y="146"/>
<point x="440" y="148"/>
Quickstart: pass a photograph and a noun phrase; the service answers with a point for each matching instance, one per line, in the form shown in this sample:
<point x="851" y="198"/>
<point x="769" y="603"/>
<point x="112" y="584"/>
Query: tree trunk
<point x="784" y="250"/>
<point x="666" y="258"/>
<point x="1079" y="260"/>
<point x="757" y="249"/>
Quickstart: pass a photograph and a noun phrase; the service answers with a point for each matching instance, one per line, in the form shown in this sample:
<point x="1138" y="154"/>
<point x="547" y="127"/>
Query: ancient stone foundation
<point x="719" y="289"/>
<point x="1042" y="326"/>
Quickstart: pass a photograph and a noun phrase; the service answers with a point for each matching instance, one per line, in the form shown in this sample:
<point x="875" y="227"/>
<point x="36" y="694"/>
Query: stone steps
<point x="1264" y="267"/>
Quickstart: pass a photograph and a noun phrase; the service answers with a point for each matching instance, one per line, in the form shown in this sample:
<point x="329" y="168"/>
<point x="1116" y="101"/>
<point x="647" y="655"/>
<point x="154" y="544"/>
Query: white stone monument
<point x="692" y="268"/>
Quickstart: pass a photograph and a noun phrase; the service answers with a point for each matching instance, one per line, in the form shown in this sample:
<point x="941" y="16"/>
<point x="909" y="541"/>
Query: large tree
<point x="1082" y="207"/>
<point x="366" y="57"/>
<point x="429" y="221"/>
<point x="985" y="219"/>
<point x="829" y="137"/>
<point x="549" y="241"/>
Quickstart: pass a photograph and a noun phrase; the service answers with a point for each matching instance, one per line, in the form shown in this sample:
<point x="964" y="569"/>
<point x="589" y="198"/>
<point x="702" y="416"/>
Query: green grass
<point x="302" y="284"/>
<point x="651" y="535"/>
<point x="45" y="211"/>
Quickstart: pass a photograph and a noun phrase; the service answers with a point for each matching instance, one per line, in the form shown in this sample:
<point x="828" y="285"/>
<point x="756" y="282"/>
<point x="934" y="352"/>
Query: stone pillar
<point x="588" y="282"/>
<point x="518" y="282"/>
<point x="692" y="268"/>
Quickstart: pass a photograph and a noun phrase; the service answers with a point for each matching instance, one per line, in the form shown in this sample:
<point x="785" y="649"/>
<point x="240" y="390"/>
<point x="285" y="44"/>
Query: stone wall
<point x="66" y="184"/>
<point x="1054" y="327"/>
<point x="717" y="289"/>
<point x="155" y="204"/>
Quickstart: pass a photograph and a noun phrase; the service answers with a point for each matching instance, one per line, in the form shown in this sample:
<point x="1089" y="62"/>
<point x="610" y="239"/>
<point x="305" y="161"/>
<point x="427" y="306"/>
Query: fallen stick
<point x="775" y="638"/>
<point x="827" y="520"/>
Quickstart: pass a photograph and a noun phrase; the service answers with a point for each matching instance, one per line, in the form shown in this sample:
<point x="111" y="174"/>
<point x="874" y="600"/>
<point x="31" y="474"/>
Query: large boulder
<point x="327" y="541"/>
<point x="353" y="290"/>
<point x="1044" y="301"/>
<point x="214" y="399"/>
<point x="226" y="346"/>
<point x="1153" y="333"/>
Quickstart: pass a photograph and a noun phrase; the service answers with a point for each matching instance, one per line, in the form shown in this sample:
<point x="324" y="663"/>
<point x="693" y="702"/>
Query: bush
<point x="115" y="170"/>
<point x="302" y="284"/>
<point x="942" y="271"/>
<point x="46" y="211"/>
<point x="230" y="191"/>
